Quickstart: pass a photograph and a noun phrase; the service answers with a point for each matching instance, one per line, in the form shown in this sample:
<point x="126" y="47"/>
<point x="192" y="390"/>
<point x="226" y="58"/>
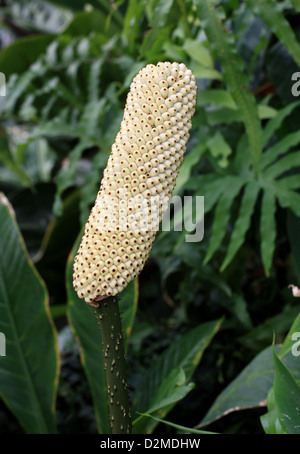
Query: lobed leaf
<point x="270" y="13"/>
<point x="283" y="146"/>
<point x="224" y="47"/>
<point x="185" y="353"/>
<point x="250" y="388"/>
<point x="222" y="214"/>
<point x="29" y="371"/>
<point x="287" y="397"/>
<point x="243" y="221"/>
<point x="289" y="162"/>
<point x="274" y="124"/>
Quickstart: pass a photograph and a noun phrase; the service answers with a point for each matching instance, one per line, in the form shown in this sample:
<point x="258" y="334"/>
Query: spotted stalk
<point x="136" y="187"/>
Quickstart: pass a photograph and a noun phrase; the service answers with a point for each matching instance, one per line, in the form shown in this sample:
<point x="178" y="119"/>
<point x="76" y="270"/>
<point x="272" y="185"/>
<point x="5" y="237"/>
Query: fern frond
<point x="280" y="148"/>
<point x="222" y="214"/>
<point x="274" y="124"/>
<point x="288" y="162"/>
<point x="224" y="47"/>
<point x="242" y="223"/>
<point x="269" y="11"/>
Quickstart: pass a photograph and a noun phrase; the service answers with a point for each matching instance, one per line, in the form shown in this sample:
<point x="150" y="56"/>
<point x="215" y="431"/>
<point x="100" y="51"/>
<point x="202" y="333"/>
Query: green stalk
<point x="109" y="321"/>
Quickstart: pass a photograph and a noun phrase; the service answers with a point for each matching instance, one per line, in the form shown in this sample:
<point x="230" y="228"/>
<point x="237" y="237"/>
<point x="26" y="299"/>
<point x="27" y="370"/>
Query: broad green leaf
<point x="287" y="397"/>
<point x="290" y="340"/>
<point x="161" y="13"/>
<point x="262" y="335"/>
<point x="216" y="97"/>
<point x="225" y="50"/>
<point x="222" y="214"/>
<point x="29" y="371"/>
<point x="250" y="388"/>
<point x="269" y="12"/>
<point x="185" y="353"/>
<point x="84" y="325"/>
<point x="12" y="59"/>
<point x="268" y="229"/>
<point x="243" y="221"/>
<point x="172" y="389"/>
<point x="269" y="420"/>
<point x="175" y="53"/>
<point x="198" y="52"/>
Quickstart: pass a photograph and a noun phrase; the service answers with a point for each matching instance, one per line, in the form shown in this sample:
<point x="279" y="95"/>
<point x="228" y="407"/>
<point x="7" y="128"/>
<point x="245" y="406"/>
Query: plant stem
<point x="109" y="320"/>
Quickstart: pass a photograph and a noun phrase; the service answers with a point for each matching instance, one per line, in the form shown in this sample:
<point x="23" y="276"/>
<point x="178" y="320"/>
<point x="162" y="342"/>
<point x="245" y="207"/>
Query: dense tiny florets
<point x="137" y="182"/>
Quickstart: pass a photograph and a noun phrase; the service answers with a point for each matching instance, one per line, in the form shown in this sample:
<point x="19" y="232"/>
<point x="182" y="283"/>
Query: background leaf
<point x="287" y="397"/>
<point x="186" y="354"/>
<point x="222" y="43"/>
<point x="250" y="388"/>
<point x="29" y="371"/>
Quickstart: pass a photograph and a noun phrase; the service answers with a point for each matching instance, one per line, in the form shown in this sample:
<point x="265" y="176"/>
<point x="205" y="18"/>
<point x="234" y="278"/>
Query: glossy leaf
<point x="12" y="57"/>
<point x="250" y="388"/>
<point x="29" y="371"/>
<point x="287" y="397"/>
<point x="181" y="429"/>
<point x="289" y="344"/>
<point x="269" y="420"/>
<point x="185" y="353"/>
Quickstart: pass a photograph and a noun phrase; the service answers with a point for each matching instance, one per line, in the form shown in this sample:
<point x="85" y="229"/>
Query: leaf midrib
<point x="40" y="417"/>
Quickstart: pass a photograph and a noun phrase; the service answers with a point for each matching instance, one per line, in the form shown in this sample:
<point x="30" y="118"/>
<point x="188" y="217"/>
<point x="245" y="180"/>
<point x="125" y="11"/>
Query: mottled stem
<point x="109" y="320"/>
